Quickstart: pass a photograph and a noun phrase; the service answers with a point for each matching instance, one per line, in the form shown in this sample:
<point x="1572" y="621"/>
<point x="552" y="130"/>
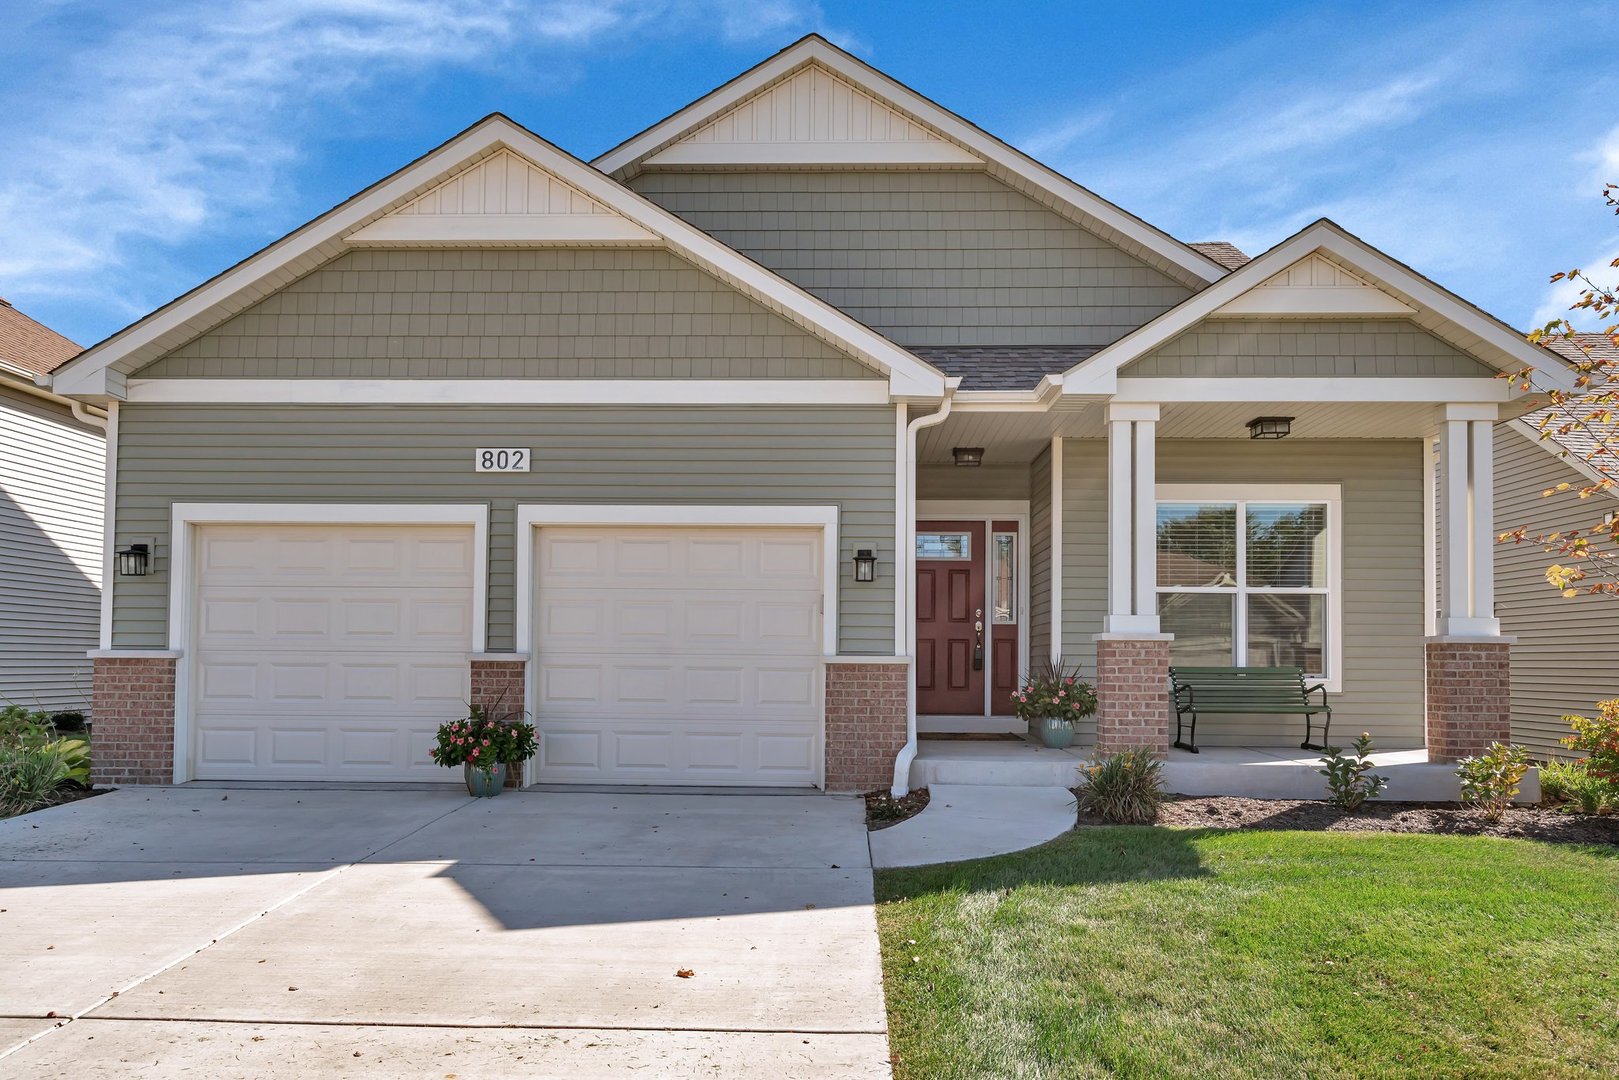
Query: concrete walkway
<point x="266" y="933"/>
<point x="973" y="821"/>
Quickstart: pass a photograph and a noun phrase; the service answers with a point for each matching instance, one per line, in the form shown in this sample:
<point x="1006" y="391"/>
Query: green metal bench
<point x="1198" y="690"/>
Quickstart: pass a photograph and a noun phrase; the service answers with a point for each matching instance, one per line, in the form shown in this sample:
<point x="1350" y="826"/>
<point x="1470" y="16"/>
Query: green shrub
<point x="21" y="727"/>
<point x="1490" y="781"/>
<point x="71" y="720"/>
<point x="1127" y="787"/>
<point x="1598" y="740"/>
<point x="29" y="777"/>
<point x="1571" y="784"/>
<point x="1350" y="782"/>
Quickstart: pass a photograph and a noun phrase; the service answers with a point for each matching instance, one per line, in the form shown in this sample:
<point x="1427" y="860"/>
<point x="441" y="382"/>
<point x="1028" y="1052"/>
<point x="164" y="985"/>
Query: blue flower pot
<point x="484" y="783"/>
<point x="1056" y="732"/>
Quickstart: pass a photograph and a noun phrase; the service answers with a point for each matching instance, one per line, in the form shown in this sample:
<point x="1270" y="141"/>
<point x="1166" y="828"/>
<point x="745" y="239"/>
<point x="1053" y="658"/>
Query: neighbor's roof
<point x="1581" y="441"/>
<point x="31" y="345"/>
<point x="1003" y="367"/>
<point x="1226" y="254"/>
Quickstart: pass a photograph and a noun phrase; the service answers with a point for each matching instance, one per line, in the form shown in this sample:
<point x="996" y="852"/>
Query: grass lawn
<point x="1211" y="953"/>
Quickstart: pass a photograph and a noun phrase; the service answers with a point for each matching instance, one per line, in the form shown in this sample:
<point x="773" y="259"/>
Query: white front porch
<point x="1254" y="772"/>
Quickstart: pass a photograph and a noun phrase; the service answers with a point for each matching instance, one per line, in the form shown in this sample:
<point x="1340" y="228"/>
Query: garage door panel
<point x="329" y="652"/>
<point x="680" y="656"/>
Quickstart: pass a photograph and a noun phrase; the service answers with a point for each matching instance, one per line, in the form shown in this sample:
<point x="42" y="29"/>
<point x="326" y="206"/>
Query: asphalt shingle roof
<point x="1221" y="252"/>
<point x="31" y="345"/>
<point x="1003" y="367"/>
<point x="1580" y="441"/>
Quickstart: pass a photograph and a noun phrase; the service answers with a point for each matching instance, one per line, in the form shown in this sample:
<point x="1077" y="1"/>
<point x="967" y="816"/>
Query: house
<point x="807" y="416"/>
<point x="52" y="461"/>
<point x="1566" y="656"/>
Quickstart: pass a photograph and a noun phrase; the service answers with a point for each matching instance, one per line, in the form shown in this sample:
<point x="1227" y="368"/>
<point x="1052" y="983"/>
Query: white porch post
<point x="1132" y="512"/>
<point x="1467" y="516"/>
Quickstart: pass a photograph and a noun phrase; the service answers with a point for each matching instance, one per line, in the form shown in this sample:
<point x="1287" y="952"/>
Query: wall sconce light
<point x="134" y="560"/>
<point x="968" y="457"/>
<point x="1270" y="427"/>
<point x="865" y="564"/>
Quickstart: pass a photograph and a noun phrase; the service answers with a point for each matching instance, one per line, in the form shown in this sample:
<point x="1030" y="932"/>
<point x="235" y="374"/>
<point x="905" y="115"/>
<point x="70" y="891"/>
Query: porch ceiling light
<point x="968" y="457"/>
<point x="134" y="560"/>
<point x="865" y="564"/>
<point x="1270" y="427"/>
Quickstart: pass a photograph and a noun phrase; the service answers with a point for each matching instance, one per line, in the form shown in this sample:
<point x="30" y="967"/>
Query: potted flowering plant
<point x="484" y="744"/>
<point x="1053" y="698"/>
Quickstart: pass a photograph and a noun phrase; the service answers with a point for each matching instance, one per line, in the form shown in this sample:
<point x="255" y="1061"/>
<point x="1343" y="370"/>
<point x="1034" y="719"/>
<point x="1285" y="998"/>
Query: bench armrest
<point x="1318" y="686"/>
<point x="1181" y="692"/>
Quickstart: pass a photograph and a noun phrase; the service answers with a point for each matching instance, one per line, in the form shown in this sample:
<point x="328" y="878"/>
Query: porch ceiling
<point x="1011" y="438"/>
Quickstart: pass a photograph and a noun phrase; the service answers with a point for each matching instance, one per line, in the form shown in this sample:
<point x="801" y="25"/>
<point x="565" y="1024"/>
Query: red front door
<point x="950" y="618"/>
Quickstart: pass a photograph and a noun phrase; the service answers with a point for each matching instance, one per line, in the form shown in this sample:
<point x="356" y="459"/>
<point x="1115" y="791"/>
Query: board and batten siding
<point x="1566" y="658"/>
<point x="936" y="257"/>
<point x="649" y="455"/>
<point x="536" y="314"/>
<point x="1286" y="348"/>
<point x="1383" y="490"/>
<point x="52" y="471"/>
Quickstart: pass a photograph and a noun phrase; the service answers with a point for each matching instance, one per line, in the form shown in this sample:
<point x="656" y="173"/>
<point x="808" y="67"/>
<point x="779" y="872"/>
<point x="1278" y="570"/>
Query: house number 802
<point x="497" y="460"/>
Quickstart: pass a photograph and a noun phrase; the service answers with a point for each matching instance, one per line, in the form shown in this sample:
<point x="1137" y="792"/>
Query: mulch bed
<point x="1521" y="822"/>
<point x="883" y="810"/>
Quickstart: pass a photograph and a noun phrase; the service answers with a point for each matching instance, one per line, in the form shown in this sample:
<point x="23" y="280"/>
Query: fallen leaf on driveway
<point x="684" y="973"/>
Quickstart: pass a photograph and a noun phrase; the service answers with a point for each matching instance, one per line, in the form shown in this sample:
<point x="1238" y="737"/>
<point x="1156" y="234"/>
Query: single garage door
<point x="328" y="652"/>
<point x="678" y="656"/>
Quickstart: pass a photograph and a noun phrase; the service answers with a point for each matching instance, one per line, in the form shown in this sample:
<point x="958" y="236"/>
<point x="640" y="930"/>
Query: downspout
<point x="907" y="584"/>
<point x="28" y="382"/>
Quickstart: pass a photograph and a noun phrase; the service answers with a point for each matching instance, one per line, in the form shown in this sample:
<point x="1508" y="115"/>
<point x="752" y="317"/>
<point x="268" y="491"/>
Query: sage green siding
<point x="656" y="455"/>
<point x="928" y="257"/>
<point x="1566" y="658"/>
<point x="947" y="482"/>
<point x="552" y="314"/>
<point x="1338" y="348"/>
<point x="1383" y="686"/>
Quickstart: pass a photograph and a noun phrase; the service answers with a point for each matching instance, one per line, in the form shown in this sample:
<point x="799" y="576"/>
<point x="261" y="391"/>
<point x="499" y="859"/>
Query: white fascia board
<point x="510" y="391"/>
<point x="1038" y="399"/>
<point x="1347" y="391"/>
<point x="83" y="376"/>
<point x="1089" y="376"/>
<point x="985" y="147"/>
<point x="526" y="229"/>
<point x="823" y="154"/>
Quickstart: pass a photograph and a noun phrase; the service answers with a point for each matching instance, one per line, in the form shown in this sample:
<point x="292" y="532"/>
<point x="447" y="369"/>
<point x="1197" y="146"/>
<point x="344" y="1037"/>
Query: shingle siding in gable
<point x="1282" y="348"/>
<point x="927" y="258"/>
<point x="559" y="314"/>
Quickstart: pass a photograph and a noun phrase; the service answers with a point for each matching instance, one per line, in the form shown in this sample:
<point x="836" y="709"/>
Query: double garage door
<point x="661" y="656"/>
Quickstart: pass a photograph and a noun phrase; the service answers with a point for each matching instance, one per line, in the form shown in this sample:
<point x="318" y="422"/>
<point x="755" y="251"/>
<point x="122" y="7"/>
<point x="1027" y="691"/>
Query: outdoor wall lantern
<point x="133" y="560"/>
<point x="1270" y="427"/>
<point x="968" y="457"/>
<point x="865" y="564"/>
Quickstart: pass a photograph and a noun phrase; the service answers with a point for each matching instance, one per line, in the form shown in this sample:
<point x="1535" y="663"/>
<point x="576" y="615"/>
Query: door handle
<point x="978" y="647"/>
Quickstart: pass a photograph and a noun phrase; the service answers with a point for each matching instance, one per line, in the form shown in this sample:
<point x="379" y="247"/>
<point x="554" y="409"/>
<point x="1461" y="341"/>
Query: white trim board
<point x="1261" y="494"/>
<point x="185" y="517"/>
<point x="510" y="391"/>
<point x="1482" y="389"/>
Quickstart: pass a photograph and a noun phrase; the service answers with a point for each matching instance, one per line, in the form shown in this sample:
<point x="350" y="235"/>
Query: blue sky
<point x="153" y="144"/>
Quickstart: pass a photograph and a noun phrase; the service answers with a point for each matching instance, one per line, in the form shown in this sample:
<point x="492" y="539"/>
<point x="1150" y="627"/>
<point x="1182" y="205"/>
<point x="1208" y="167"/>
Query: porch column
<point x="1468" y="662"/>
<point x="1132" y="656"/>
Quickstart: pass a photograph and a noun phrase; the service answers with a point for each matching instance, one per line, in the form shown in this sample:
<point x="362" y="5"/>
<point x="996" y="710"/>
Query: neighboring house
<point x="52" y="465"/>
<point x="670" y="447"/>
<point x="1566" y="657"/>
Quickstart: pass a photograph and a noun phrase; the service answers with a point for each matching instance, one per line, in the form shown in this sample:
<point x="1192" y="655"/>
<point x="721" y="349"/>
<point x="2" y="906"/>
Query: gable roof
<point x="29" y="345"/>
<point x="1011" y="166"/>
<point x="1592" y="437"/>
<point x="99" y="371"/>
<point x="1434" y="309"/>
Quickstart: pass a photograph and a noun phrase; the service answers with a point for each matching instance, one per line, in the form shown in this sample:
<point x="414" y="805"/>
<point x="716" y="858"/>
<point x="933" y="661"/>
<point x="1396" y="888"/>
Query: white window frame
<point x="1243" y="496"/>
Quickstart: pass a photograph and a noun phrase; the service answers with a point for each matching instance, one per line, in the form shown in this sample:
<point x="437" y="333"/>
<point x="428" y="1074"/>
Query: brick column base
<point x="865" y="724"/>
<point x="1132" y="694"/>
<point x="132" y="730"/>
<point x="497" y="685"/>
<point x="1469" y="697"/>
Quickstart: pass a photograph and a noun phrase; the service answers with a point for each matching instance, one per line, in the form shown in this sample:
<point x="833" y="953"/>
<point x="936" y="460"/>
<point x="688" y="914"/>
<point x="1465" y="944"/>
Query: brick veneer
<point x="1469" y="697"/>
<point x="865" y="724"/>
<point x="1132" y="691"/>
<point x="498" y="685"/>
<point x="133" y="724"/>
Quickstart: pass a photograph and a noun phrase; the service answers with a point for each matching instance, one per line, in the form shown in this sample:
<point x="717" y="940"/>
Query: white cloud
<point x="184" y="118"/>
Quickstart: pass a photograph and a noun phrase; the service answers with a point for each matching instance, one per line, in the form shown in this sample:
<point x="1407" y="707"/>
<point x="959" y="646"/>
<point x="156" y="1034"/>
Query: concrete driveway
<point x="260" y="933"/>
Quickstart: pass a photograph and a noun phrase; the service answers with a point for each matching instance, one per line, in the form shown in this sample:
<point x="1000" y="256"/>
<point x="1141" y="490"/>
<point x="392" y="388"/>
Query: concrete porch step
<point x="959" y="725"/>
<point x="1007" y="764"/>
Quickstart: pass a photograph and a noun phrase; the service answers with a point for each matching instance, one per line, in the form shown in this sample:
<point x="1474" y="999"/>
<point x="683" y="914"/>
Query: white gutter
<point x="37" y="385"/>
<point x="905" y="573"/>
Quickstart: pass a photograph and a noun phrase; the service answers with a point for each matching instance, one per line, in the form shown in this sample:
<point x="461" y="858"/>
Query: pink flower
<point x="474" y="752"/>
<point x="1070" y="682"/>
<point x="486" y="742"/>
